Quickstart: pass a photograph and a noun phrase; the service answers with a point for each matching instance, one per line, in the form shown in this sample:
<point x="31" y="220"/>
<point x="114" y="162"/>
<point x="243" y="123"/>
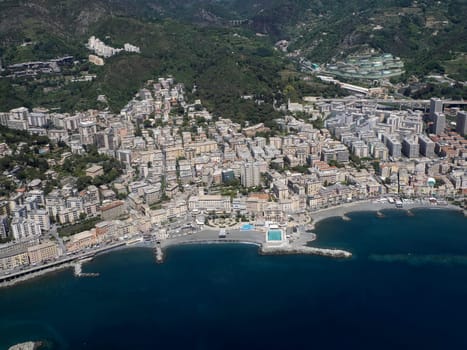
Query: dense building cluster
<point x="180" y="161"/>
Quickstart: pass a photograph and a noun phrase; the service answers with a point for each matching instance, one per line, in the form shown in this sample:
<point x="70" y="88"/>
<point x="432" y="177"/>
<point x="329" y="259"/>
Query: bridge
<point x="392" y="101"/>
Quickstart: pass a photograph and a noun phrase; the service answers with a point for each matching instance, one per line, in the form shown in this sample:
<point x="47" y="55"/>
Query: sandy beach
<point x="371" y="206"/>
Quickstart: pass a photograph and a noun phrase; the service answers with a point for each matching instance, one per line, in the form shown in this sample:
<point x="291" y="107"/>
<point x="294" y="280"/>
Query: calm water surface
<point x="405" y="287"/>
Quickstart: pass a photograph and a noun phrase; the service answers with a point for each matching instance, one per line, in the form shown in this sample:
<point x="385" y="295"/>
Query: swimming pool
<point x="274" y="235"/>
<point x="247" y="227"/>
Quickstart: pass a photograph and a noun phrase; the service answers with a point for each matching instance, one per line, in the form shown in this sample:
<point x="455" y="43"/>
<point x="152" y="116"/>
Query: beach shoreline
<point x="317" y="216"/>
<point x="371" y="206"/>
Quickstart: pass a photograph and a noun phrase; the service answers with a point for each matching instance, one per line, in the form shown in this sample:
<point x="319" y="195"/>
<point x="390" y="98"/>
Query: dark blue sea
<point x="405" y="288"/>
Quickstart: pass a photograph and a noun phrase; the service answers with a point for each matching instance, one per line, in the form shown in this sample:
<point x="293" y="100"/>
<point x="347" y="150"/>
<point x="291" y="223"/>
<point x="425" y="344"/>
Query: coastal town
<point x="166" y="171"/>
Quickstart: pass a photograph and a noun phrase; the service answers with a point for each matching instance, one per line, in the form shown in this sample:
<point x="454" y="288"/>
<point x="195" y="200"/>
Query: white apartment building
<point x="24" y="228"/>
<point x="250" y="174"/>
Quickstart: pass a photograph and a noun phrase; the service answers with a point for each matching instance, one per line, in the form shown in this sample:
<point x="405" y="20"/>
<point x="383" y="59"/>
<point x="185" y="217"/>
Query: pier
<point x="78" y="269"/>
<point x="159" y="254"/>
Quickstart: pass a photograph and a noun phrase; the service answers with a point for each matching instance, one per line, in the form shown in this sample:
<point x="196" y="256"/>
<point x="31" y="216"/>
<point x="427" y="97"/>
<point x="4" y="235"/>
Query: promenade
<point x="294" y="244"/>
<point x="212" y="235"/>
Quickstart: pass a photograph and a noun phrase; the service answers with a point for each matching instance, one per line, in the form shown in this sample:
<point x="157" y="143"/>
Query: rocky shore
<point x="36" y="274"/>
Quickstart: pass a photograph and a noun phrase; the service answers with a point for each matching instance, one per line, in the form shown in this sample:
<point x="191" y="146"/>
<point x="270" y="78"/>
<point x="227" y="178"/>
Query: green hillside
<point x="194" y="41"/>
<point x="424" y="33"/>
<point x="223" y="63"/>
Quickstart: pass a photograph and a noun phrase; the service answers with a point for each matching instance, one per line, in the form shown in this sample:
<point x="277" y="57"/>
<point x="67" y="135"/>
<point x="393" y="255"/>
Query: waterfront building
<point x="82" y="240"/>
<point x="272" y="212"/>
<point x="13" y="257"/>
<point x="42" y="252"/>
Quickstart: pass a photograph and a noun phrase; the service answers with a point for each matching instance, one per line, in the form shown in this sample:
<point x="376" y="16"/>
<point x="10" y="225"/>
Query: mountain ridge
<point x="197" y="42"/>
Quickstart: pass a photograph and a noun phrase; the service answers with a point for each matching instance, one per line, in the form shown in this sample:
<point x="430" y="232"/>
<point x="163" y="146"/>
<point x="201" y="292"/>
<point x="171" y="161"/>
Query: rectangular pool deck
<point x="275" y="235"/>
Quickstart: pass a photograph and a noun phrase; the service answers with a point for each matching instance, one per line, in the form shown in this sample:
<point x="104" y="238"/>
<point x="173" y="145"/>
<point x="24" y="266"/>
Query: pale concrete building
<point x="24" y="228"/>
<point x="208" y="203"/>
<point x="250" y="175"/>
<point x="94" y="171"/>
<point x="13" y="257"/>
<point x="42" y="252"/>
<point x="82" y="240"/>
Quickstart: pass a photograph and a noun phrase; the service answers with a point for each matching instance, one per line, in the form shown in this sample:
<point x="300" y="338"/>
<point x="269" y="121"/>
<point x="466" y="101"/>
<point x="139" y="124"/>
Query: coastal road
<point x="62" y="260"/>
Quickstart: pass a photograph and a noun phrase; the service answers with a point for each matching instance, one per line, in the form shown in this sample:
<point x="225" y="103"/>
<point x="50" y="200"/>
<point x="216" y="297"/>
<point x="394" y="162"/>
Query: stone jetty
<point x="78" y="270"/>
<point x="291" y="249"/>
<point x="159" y="254"/>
